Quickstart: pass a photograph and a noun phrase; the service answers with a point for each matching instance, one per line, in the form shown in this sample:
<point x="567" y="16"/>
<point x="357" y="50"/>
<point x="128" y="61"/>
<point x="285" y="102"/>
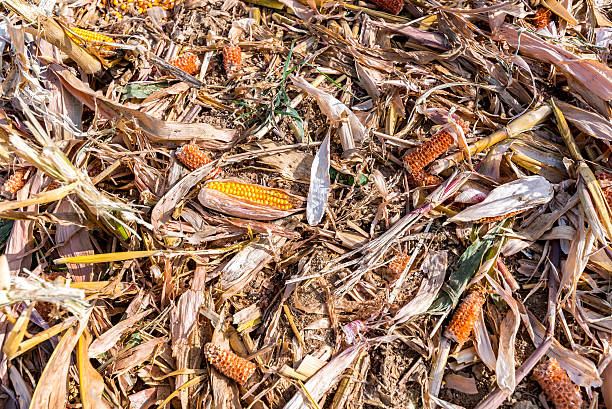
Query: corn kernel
<point x="498" y="218"/>
<point x="465" y="317"/>
<point x="89" y="36"/>
<point x="398" y="264"/>
<point x="390" y="6"/>
<point x="228" y="363"/>
<point x="253" y="193"/>
<point x="557" y="386"/>
<point x="422" y="178"/>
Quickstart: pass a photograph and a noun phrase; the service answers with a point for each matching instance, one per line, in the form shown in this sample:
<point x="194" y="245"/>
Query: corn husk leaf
<point x="320" y="185"/>
<point x="518" y="195"/>
<point x="90" y="381"/>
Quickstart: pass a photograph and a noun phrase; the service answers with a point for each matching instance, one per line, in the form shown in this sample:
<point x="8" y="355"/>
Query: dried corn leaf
<point x="519" y="195"/>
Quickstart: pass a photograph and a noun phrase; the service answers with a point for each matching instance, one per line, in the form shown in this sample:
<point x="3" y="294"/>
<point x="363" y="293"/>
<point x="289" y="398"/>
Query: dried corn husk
<point x="519" y="195"/>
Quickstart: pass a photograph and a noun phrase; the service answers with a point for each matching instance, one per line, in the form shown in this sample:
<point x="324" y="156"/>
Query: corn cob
<point x="466" y="316"/>
<point x="81" y="35"/>
<point x="605" y="181"/>
<point x="557" y="386"/>
<point x="188" y="63"/>
<point x="398" y="264"/>
<point x="541" y="18"/>
<point x="422" y="178"/>
<point x="247" y="200"/>
<point x="232" y="59"/>
<point x="423" y="155"/>
<point x="498" y="218"/>
<point x="228" y="363"/>
<point x="14" y="183"/>
<point x="119" y="8"/>
<point x="390" y="6"/>
<point x="192" y="156"/>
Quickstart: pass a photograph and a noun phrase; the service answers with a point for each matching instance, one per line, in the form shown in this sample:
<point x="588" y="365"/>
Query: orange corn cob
<point x="232" y="59"/>
<point x="192" y="156"/>
<point x="398" y="264"/>
<point x="422" y="178"/>
<point x="247" y="201"/>
<point x="498" y="218"/>
<point x="14" y="183"/>
<point x="228" y="363"/>
<point x="423" y="155"/>
<point x="557" y="386"/>
<point x="390" y="6"/>
<point x="541" y="18"/>
<point x="88" y="36"/>
<point x="465" y="317"/>
<point x="188" y="63"/>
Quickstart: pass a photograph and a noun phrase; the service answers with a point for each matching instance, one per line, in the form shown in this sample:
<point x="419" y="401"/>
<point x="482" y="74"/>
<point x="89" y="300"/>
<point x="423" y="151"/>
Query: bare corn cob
<point x="88" y="36"/>
<point x="15" y="182"/>
<point x="423" y="155"/>
<point x="246" y="200"/>
<point x="232" y="59"/>
<point x="228" y="363"/>
<point x="390" y="6"/>
<point x="498" y="218"/>
<point x="188" y="63"/>
<point x="557" y="386"/>
<point x="398" y="264"/>
<point x="466" y="316"/>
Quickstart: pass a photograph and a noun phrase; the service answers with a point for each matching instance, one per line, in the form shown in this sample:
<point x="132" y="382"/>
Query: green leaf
<point x="481" y="250"/>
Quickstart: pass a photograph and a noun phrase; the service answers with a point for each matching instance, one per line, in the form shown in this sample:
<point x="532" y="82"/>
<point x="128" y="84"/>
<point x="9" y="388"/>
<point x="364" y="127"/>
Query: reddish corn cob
<point x="498" y="218"/>
<point x="188" y="63"/>
<point x="605" y="181"/>
<point x="232" y="59"/>
<point x="541" y="18"/>
<point x="14" y="183"/>
<point x="228" y="363"/>
<point x="88" y="36"/>
<point x="423" y="155"/>
<point x="557" y="386"/>
<point x="390" y="6"/>
<point x="398" y="264"/>
<point x="422" y="178"/>
<point x="465" y="317"/>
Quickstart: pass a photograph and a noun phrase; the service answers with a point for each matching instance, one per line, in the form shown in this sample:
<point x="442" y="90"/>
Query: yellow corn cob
<point x="498" y="218"/>
<point x="188" y="63"/>
<point x="228" y="363"/>
<point x="254" y="193"/>
<point x="398" y="264"/>
<point x="466" y="316"/>
<point x="88" y="36"/>
<point x="247" y="201"/>
<point x="423" y="155"/>
<point x="557" y="386"/>
<point x="14" y="183"/>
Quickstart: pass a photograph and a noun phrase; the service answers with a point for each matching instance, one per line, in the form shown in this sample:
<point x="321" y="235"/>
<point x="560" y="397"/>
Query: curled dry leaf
<point x="320" y="185"/>
<point x="516" y="196"/>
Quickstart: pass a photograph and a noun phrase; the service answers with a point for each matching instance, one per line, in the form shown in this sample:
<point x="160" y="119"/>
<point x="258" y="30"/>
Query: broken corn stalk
<point x="15" y="182"/>
<point x="466" y="316"/>
<point x="228" y="363"/>
<point x="232" y="59"/>
<point x="247" y="200"/>
<point x="390" y="6"/>
<point x="418" y="158"/>
<point x="188" y="63"/>
<point x="557" y="386"/>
